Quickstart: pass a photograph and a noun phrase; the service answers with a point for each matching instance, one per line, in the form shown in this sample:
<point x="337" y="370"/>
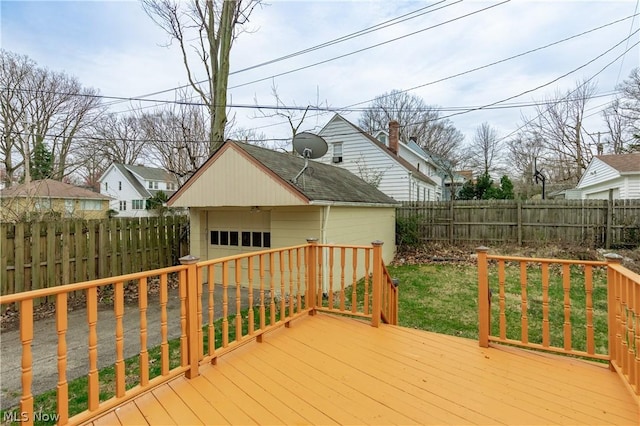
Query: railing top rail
<point x="245" y="255"/>
<point x="625" y="272"/>
<point x="547" y="260"/>
<point x="345" y="246"/>
<point x="52" y="291"/>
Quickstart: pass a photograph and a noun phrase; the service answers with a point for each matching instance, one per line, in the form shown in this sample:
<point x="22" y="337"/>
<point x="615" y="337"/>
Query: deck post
<point x="192" y="314"/>
<point x="376" y="303"/>
<point x="612" y="306"/>
<point x="312" y="259"/>
<point x="484" y="302"/>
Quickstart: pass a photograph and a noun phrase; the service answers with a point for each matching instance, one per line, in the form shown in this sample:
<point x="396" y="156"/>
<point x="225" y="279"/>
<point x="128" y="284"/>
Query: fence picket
<point x="48" y="254"/>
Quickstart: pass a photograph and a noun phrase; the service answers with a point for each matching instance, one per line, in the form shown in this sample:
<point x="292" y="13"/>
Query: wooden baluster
<point x="619" y="312"/>
<point x="262" y="308"/>
<point x="62" y="388"/>
<point x="354" y="281"/>
<point x="367" y="257"/>
<point x="144" y="354"/>
<point x="546" y="339"/>
<point x="211" y="330"/>
<point x="283" y="311"/>
<point x="484" y="308"/>
<point x="636" y="313"/>
<point x="199" y="313"/>
<point x="588" y="287"/>
<point x="225" y="304"/>
<point x="320" y="285"/>
<point x="524" y="320"/>
<point x="342" y="266"/>
<point x="272" y="289"/>
<point x="376" y="303"/>
<point x="92" y="319"/>
<point x="629" y="285"/>
<point x="164" y="331"/>
<point x="298" y="267"/>
<point x="184" y="348"/>
<point x="238" y="266"/>
<point x="251" y="317"/>
<point x="26" y="337"/>
<point x="118" y="310"/>
<point x="502" y="304"/>
<point x="291" y="293"/>
<point x="566" y="286"/>
<point x="330" y="277"/>
<point x="624" y="312"/>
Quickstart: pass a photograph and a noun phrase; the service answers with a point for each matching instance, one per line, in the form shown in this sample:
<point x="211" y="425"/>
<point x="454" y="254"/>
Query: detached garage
<point x="244" y="199"/>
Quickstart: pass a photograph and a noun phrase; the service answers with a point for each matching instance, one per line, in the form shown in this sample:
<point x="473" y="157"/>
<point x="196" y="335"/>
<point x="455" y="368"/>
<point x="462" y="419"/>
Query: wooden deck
<point x="327" y="369"/>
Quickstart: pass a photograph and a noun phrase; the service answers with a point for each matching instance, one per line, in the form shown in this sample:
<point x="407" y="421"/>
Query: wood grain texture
<point x="334" y="370"/>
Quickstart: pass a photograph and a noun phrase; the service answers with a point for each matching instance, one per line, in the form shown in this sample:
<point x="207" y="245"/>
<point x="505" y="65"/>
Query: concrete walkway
<point x="45" y="341"/>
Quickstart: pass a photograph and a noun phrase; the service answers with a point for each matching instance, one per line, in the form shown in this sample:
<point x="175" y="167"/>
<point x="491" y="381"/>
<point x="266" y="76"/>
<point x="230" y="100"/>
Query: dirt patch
<point x="466" y="253"/>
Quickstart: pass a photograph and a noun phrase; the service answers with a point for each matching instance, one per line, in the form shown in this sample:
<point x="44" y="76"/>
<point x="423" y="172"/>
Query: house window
<point x="150" y="185"/>
<point x="153" y="184"/>
<point x="214" y="238"/>
<point x="240" y="238"/>
<point x="106" y="186"/>
<point x="123" y="206"/>
<point x="90" y="204"/>
<point x="43" y="203"/>
<point x="246" y="239"/>
<point x="337" y="152"/>
<point x="171" y="186"/>
<point x="119" y="186"/>
<point x="137" y="204"/>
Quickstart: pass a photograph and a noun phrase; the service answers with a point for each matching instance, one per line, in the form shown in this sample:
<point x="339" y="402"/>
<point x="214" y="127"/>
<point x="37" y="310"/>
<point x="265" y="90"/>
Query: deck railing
<point x="223" y="303"/>
<point x="571" y="307"/>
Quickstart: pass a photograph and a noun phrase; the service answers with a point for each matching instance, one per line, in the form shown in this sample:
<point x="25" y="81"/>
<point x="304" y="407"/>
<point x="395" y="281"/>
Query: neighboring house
<point x="256" y="205"/>
<point x="618" y="173"/>
<point x="131" y="186"/>
<point x="48" y="198"/>
<point x="395" y="168"/>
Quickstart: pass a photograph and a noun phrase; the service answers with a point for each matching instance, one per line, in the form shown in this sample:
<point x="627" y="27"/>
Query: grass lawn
<point x="443" y="298"/>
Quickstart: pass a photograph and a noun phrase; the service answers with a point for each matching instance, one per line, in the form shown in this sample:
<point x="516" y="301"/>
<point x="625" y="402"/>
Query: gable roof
<point x="319" y="183"/>
<point x="401" y="161"/>
<point x="624" y="163"/>
<point x="132" y="179"/>
<point x="50" y="188"/>
<point x="147" y="173"/>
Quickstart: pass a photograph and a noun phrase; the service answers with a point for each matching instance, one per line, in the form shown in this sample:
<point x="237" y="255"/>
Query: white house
<point x="393" y="167"/>
<point x="130" y="186"/>
<point x="619" y="173"/>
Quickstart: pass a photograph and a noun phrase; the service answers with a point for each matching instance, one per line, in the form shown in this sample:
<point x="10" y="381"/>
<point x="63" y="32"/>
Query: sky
<point x="115" y="47"/>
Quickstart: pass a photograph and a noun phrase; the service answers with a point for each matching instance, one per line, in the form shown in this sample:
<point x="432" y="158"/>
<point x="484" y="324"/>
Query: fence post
<point x="609" y="231"/>
<point x="376" y="303"/>
<point x="312" y="260"/>
<point x="192" y="314"/>
<point x="613" y="307"/>
<point x="484" y="297"/>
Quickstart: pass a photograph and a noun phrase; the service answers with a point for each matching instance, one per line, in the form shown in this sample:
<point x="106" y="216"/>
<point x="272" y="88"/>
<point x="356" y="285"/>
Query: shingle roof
<point x="151" y="173"/>
<point x="624" y="163"/>
<point x="320" y="182"/>
<point x="132" y="179"/>
<point x="52" y="189"/>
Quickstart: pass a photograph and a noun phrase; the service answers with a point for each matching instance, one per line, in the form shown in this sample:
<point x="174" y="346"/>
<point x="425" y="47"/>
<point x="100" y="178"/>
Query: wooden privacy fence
<point x="39" y="255"/>
<point x="596" y="223"/>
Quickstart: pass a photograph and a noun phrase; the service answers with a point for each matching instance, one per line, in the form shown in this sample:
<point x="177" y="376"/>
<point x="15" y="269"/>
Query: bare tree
<point x="417" y="119"/>
<point x="119" y="138"/>
<point x="486" y="150"/>
<point x="251" y="136"/>
<point x="206" y="28"/>
<point x="177" y="138"/>
<point x="523" y="152"/>
<point x="623" y="116"/>
<point x="559" y="124"/>
<point x="41" y="107"/>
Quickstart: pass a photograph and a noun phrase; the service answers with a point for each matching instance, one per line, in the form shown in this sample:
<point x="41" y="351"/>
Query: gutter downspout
<point x="323" y="240"/>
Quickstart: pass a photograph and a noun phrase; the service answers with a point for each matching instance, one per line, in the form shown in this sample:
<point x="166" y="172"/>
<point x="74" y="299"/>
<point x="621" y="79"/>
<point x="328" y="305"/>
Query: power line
<point x="385" y="24"/>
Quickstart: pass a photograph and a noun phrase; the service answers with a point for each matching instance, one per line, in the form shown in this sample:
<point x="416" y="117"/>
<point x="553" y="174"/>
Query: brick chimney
<point x="394" y="135"/>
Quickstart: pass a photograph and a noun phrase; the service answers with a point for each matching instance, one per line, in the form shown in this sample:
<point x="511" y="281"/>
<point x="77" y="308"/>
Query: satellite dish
<point x="309" y="145"/>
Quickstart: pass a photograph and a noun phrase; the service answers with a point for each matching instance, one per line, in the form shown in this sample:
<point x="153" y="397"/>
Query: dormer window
<point x="153" y="185"/>
<point x="337" y="153"/>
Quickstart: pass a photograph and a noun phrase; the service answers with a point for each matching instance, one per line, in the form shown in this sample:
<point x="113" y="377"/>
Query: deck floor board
<point x="327" y="369"/>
